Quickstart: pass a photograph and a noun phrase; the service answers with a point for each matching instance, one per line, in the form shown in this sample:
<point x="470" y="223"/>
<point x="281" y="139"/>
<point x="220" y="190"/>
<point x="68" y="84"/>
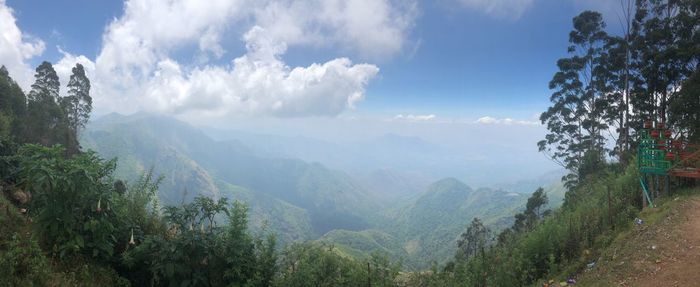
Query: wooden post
<point x="651" y="189"/>
<point x="644" y="201"/>
<point x="369" y="276"/>
<point x="610" y="219"/>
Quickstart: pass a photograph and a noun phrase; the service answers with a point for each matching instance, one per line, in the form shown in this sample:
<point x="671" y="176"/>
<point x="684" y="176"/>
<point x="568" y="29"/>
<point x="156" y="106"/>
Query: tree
<point x="526" y="220"/>
<point x="473" y="240"/>
<point x="684" y="102"/>
<point x="78" y="104"/>
<point x="666" y="52"/>
<point x="44" y="116"/>
<point x="13" y="104"/>
<point x="685" y="109"/>
<point x="575" y="119"/>
<point x="46" y="87"/>
<point x="615" y="80"/>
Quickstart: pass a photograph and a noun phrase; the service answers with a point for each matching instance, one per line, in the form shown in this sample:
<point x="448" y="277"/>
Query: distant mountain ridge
<point x="193" y="163"/>
<point x="403" y="214"/>
<point x="426" y="228"/>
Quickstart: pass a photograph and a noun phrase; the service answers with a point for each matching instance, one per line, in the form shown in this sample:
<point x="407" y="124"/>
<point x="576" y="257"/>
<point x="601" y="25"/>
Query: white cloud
<point x="376" y="29"/>
<point x="414" y="118"/>
<point x="135" y="68"/>
<point x="487" y="120"/>
<point x="16" y="48"/>
<point x="510" y="9"/>
<point x="259" y="83"/>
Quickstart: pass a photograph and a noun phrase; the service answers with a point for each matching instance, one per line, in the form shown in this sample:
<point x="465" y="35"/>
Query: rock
<point x="21" y="196"/>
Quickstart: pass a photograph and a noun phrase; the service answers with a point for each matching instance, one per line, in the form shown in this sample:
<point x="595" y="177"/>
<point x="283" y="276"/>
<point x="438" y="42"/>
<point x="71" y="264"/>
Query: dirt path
<point x="678" y="260"/>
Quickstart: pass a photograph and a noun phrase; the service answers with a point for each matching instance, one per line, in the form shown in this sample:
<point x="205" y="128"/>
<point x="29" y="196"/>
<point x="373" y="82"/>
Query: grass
<point x="636" y="248"/>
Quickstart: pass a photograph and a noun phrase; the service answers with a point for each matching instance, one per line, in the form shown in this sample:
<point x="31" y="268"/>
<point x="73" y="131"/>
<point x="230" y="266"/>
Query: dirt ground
<point x="679" y="261"/>
<point x="663" y="251"/>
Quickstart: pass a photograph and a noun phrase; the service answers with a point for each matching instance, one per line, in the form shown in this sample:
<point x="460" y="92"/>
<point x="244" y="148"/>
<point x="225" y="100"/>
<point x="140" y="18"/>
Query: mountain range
<point x="361" y="207"/>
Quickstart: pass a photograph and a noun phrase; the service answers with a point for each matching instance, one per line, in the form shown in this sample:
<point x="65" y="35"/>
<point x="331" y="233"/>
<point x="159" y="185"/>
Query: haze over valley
<point x="303" y="188"/>
<point x="344" y="143"/>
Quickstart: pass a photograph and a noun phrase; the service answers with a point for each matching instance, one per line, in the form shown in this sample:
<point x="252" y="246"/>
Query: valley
<point x="387" y="210"/>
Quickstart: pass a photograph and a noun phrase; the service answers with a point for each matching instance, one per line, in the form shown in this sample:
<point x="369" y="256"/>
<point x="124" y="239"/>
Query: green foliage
<point x="620" y="81"/>
<point x="43" y="116"/>
<point x="474" y="240"/>
<point x="320" y="265"/>
<point x="361" y="244"/>
<point x="72" y="199"/>
<point x="22" y="262"/>
<point x="196" y="252"/>
<point x="575" y="119"/>
<point x="98" y="231"/>
<point x="44" y="123"/>
<point x="526" y="220"/>
<point x="562" y="242"/>
<point x="76" y="106"/>
<point x="297" y="200"/>
<point x="430" y="226"/>
<point x="684" y="109"/>
<point x="12" y="105"/>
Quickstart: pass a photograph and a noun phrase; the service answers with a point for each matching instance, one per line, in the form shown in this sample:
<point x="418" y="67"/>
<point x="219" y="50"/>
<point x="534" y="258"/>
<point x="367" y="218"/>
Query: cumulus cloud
<point x="136" y="70"/>
<point x="16" y="48"/>
<point x="260" y="83"/>
<point x="487" y="120"/>
<point x="414" y="118"/>
<point x="375" y="29"/>
<point x="510" y="9"/>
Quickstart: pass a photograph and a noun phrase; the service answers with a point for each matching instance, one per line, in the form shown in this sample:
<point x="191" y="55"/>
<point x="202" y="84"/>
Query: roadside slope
<point x="663" y="251"/>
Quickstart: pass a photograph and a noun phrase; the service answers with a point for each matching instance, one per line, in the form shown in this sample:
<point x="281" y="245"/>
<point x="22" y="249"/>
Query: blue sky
<point x="468" y="74"/>
<point x="457" y="60"/>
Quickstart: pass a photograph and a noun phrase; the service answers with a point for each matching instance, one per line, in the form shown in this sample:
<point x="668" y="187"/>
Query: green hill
<point x="297" y="199"/>
<point x="360" y="244"/>
<point x="426" y="228"/>
<point x="431" y="225"/>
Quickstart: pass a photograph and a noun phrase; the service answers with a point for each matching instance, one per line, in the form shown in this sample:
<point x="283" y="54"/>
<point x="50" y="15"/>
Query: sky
<point x="438" y="69"/>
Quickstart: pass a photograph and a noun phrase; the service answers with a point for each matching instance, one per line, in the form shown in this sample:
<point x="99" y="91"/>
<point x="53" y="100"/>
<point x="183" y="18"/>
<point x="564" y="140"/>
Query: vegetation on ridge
<point x="67" y="220"/>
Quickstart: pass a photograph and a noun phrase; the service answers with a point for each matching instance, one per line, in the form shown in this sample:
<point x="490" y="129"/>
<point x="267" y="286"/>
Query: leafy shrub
<point x="72" y="199"/>
<point x="195" y="251"/>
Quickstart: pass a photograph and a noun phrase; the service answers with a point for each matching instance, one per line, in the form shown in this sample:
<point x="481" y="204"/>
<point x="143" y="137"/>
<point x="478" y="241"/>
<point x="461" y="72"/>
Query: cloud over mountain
<point x="140" y="64"/>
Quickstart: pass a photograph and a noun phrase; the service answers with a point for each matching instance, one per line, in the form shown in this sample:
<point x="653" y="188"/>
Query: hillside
<point x="299" y="200"/>
<point x="431" y="224"/>
<point x="662" y="251"/>
<point x="360" y="244"/>
<point x="425" y="228"/>
<point x="386" y="210"/>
